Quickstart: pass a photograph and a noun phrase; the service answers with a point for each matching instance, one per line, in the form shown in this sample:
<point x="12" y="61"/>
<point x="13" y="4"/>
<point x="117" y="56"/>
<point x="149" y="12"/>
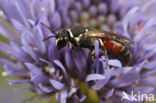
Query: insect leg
<point x="72" y="48"/>
<point x="93" y="52"/>
<point x="105" y="52"/>
<point x="70" y="45"/>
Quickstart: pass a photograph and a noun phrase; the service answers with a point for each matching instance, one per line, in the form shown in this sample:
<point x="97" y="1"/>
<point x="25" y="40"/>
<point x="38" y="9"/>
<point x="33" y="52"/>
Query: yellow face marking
<point x="71" y="34"/>
<point x="56" y="41"/>
<point x="93" y="52"/>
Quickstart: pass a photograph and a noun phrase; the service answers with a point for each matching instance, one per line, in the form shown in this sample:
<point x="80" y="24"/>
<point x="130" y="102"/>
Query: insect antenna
<point x="48" y="38"/>
<point x="51" y="29"/>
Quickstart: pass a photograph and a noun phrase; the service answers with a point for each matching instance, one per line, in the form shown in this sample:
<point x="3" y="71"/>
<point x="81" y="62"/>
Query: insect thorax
<point x="73" y="34"/>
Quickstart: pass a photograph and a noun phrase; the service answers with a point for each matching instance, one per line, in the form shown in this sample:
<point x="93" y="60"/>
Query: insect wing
<point x="108" y="35"/>
<point x="119" y="38"/>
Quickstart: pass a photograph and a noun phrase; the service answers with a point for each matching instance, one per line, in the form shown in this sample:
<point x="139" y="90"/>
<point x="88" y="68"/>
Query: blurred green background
<point x="7" y="95"/>
<point x="6" y="91"/>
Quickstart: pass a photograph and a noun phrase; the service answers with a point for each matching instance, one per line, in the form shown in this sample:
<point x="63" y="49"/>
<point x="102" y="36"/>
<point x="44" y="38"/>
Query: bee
<point x="84" y="37"/>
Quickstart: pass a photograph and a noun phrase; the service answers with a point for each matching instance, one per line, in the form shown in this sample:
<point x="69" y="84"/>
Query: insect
<point x="85" y="37"/>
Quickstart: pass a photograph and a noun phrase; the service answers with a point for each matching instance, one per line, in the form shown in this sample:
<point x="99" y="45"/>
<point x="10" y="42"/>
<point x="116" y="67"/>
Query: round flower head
<point x="70" y="74"/>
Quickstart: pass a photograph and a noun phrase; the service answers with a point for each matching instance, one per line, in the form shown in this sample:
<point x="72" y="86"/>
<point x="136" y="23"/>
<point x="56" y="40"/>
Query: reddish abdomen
<point x="120" y="51"/>
<point x="112" y="46"/>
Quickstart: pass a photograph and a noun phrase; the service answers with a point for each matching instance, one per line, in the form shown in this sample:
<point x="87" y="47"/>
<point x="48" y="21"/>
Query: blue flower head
<point x="72" y="74"/>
